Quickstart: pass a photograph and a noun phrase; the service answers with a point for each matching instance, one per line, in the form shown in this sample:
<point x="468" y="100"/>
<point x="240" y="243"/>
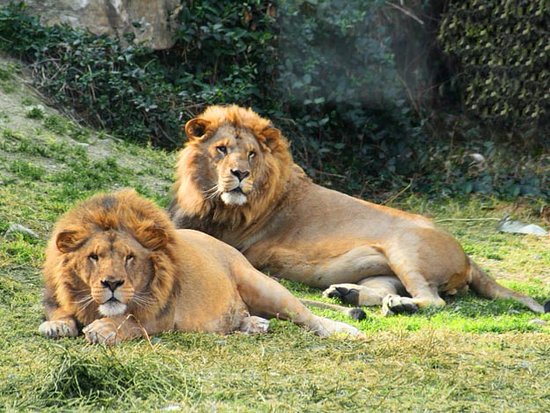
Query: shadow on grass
<point x="102" y="377"/>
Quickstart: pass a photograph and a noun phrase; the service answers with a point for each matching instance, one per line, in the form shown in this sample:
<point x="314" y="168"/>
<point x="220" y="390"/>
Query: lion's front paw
<point x="327" y="327"/>
<point x="58" y="328"/>
<point x="395" y="304"/>
<point x="102" y="332"/>
<point x="347" y="293"/>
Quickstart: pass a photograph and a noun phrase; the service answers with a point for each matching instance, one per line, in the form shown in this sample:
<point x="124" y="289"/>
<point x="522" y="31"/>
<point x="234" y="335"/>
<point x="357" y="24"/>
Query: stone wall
<point x="152" y="21"/>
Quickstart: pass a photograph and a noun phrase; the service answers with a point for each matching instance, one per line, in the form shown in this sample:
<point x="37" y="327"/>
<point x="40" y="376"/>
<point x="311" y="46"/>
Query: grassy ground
<point x="474" y="355"/>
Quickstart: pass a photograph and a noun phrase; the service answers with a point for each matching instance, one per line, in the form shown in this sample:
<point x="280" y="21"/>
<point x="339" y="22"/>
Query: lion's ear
<point x="196" y="128"/>
<point x="69" y="240"/>
<point x="153" y="237"/>
<point x="272" y="137"/>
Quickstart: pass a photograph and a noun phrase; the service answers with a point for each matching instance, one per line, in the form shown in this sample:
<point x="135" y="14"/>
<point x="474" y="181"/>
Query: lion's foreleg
<point x="266" y="297"/>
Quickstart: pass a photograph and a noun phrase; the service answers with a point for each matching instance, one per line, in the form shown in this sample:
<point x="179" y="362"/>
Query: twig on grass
<point x="146" y="335"/>
<point x="393" y="198"/>
<point x="467" y="219"/>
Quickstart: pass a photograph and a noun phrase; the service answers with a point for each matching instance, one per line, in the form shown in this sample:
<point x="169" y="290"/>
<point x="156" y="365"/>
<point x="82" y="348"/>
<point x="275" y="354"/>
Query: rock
<point x="517" y="227"/>
<point x="538" y="321"/>
<point x="152" y="22"/>
<point x="14" y="228"/>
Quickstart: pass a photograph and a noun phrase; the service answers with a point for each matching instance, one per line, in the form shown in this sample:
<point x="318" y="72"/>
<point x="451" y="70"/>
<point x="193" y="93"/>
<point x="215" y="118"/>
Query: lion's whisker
<point x="83" y="299"/>
<point x="214" y="188"/>
<point x="213" y="195"/>
<point x="86" y="301"/>
<point x="143" y="301"/>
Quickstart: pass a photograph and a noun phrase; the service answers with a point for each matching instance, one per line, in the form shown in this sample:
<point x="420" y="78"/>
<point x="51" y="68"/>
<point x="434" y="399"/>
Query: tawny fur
<point x="116" y="265"/>
<point x="365" y="253"/>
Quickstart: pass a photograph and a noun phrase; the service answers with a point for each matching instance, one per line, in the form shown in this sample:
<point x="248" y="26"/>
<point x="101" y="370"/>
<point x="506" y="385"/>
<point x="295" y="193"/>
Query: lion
<point x="236" y="180"/>
<point x="117" y="266"/>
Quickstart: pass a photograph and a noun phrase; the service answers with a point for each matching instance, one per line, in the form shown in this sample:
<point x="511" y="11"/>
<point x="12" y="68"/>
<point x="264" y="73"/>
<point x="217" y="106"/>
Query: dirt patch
<point x="27" y="118"/>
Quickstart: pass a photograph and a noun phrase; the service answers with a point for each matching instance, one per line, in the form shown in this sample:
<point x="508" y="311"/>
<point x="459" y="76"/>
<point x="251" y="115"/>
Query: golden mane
<point x="235" y="115"/>
<point x="122" y="211"/>
<point x="191" y="176"/>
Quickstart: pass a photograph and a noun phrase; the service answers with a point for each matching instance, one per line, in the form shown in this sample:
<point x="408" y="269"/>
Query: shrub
<point x="339" y="84"/>
<point x="118" y="87"/>
<point x="323" y="70"/>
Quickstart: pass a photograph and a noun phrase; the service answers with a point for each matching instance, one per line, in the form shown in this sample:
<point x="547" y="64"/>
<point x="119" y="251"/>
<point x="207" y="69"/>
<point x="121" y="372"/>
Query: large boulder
<point x="152" y="21"/>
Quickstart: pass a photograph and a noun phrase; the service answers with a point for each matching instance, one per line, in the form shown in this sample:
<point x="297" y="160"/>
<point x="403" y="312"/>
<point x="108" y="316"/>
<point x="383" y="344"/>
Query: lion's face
<point x="115" y="268"/>
<point x="235" y="159"/>
<point x="233" y="167"/>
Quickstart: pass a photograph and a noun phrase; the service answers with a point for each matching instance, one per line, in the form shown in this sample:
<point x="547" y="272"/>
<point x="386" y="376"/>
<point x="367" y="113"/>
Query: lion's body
<point x="117" y="266"/>
<point x="298" y="230"/>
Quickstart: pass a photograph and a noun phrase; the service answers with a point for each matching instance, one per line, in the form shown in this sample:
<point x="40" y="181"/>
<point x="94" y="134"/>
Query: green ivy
<point x="502" y="48"/>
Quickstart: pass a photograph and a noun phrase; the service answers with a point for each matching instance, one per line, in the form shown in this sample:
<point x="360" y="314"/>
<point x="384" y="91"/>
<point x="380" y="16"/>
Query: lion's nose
<point x="112" y="284"/>
<point x="240" y="174"/>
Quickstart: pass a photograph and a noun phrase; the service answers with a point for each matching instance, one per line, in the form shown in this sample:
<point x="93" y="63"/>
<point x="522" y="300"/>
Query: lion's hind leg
<point x="368" y="292"/>
<point x="386" y="291"/>
<point x="421" y="294"/>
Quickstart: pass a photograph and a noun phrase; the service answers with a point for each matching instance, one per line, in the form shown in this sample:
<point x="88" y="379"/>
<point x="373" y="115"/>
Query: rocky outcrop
<point x="151" y="21"/>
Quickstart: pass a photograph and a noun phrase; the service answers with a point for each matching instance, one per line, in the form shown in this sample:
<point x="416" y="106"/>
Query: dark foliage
<point x="325" y="71"/>
<point x="502" y="50"/>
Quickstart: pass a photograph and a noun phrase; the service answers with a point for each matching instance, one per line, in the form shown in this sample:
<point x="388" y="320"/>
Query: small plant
<point x="27" y="170"/>
<point x="56" y="124"/>
<point x="35" y="112"/>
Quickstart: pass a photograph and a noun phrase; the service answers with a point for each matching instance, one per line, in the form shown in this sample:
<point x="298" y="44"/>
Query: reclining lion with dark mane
<point x="236" y="180"/>
<point x="116" y="265"/>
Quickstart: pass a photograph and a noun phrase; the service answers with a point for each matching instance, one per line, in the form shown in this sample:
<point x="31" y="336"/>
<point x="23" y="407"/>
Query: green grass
<point x="473" y="355"/>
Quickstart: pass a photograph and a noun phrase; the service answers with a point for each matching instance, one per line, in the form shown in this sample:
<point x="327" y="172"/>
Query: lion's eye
<point x="129" y="258"/>
<point x="93" y="257"/>
<point x="251" y="155"/>
<point x="222" y="149"/>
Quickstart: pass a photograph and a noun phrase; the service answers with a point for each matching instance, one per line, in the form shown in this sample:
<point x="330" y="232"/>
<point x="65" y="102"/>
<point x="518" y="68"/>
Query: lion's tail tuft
<point x="485" y="286"/>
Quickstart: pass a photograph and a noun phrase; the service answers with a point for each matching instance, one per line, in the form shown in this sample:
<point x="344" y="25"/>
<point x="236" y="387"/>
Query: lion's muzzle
<point x="112" y="297"/>
<point x="112" y="284"/>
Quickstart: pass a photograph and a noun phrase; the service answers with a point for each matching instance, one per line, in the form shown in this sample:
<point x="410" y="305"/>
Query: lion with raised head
<point x="236" y="181"/>
<point x="117" y="266"/>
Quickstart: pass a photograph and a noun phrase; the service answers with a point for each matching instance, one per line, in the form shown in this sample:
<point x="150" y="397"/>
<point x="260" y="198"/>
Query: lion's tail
<point x="353" y="312"/>
<point x="485" y="286"/>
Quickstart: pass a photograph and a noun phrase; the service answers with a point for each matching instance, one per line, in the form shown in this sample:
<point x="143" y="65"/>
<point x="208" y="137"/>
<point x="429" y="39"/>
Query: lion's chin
<point x="112" y="308"/>
<point x="234" y="198"/>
